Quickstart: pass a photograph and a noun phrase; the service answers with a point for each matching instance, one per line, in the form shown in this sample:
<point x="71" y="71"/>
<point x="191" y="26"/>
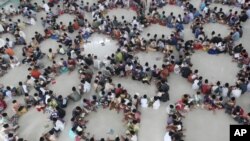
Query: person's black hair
<point x="218" y="83"/>
<point x="6" y="126"/>
<point x="233" y="98"/>
<point x="10" y="135"/>
<point x="226" y="84"/>
<point x="41" y="139"/>
<point x="119" y="85"/>
<point x="213" y="96"/>
<point x="117" y="139"/>
<point x="171" y="106"/>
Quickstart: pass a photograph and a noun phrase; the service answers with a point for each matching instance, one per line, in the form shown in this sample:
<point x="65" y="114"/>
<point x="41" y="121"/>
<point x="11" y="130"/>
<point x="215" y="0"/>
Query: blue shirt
<point x="236" y="36"/>
<point x="72" y="134"/>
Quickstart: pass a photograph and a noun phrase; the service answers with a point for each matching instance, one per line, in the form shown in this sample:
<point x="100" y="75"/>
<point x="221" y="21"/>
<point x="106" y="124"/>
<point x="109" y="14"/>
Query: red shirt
<point x="118" y="90"/>
<point x="171" y="68"/>
<point x="164" y="74"/>
<point x="35" y="73"/>
<point x="206" y="88"/>
<point x="3" y="104"/>
<point x="76" y="26"/>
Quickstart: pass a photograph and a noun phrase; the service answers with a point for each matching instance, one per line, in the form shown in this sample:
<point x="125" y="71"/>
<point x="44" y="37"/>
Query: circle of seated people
<point x="116" y="99"/>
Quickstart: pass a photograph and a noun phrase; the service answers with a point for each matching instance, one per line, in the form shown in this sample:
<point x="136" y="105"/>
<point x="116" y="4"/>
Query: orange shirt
<point x="35" y="73"/>
<point x="9" y="51"/>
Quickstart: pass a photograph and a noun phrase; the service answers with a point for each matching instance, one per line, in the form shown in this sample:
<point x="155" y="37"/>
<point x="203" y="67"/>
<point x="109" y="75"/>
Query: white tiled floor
<point x="206" y="64"/>
<point x="104" y="50"/>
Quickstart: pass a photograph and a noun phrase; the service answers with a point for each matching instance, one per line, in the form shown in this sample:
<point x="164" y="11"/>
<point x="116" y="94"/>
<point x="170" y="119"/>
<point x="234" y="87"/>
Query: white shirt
<point x="134" y="138"/>
<point x="8" y="94"/>
<point x="46" y="99"/>
<point x="97" y="64"/>
<point x="59" y="125"/>
<point x="32" y="21"/>
<point x="87" y="87"/>
<point x="62" y="51"/>
<point x="214" y="88"/>
<point x="25" y="89"/>
<point x="42" y="90"/>
<point x="22" y="34"/>
<point x="205" y="10"/>
<point x="169" y="110"/>
<point x="241" y="1"/>
<point x="167" y="137"/>
<point x="225" y="91"/>
<point x="236" y="93"/>
<point x="10" y="44"/>
<point x="177" y="69"/>
<point x="46" y="7"/>
<point x="195" y="85"/>
<point x="156" y="104"/>
<point x="135" y="23"/>
<point x="144" y="103"/>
